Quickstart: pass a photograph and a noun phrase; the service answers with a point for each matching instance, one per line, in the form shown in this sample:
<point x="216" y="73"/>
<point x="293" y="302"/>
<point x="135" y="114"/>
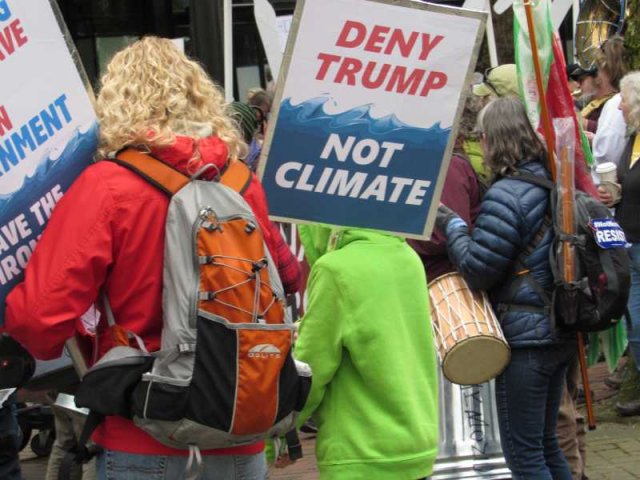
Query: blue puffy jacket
<point x="511" y="215"/>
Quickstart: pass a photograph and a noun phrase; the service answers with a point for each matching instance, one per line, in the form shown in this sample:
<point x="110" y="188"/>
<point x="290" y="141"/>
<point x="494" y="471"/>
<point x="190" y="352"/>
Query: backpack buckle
<point x="206" y="296"/>
<point x="186" y="348"/>
<point x="206" y="259"/>
<point x="210" y="220"/>
<point x="259" y="265"/>
<point x="212" y="227"/>
<point x="250" y="228"/>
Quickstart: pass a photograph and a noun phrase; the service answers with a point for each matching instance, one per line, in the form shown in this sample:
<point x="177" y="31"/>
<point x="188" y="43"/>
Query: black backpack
<point x="598" y="297"/>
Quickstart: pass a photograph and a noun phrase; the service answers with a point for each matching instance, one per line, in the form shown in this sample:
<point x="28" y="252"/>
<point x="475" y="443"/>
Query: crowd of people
<point x="365" y="332"/>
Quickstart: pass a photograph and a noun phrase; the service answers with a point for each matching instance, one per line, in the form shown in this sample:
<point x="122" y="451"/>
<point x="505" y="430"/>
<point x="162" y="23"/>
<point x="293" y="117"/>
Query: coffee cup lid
<point x="606" y="167"/>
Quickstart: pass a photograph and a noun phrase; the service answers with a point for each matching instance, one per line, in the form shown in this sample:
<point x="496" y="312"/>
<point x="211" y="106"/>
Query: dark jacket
<point x="511" y="214"/>
<point x="628" y="210"/>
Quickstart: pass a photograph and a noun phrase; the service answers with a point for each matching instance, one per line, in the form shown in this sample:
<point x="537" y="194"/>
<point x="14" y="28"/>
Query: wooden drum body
<point x="468" y="337"/>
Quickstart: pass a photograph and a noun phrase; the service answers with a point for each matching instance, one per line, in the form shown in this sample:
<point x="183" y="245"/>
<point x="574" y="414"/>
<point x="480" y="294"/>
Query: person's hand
<point x="296" y="329"/>
<point x="283" y="461"/>
<point x="589" y="136"/>
<point x="605" y="196"/>
<point x="585" y="123"/>
<point x="444" y="216"/>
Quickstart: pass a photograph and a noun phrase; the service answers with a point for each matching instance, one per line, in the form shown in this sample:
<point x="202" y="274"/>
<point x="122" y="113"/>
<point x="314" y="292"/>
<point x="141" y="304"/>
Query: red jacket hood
<point x="188" y="154"/>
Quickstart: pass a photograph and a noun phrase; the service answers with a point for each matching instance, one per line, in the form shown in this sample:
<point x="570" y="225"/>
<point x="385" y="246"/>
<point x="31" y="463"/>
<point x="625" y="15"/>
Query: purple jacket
<point x="461" y="194"/>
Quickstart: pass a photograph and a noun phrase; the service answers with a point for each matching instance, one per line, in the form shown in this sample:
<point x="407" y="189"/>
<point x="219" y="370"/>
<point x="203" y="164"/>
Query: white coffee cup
<point x="607" y="172"/>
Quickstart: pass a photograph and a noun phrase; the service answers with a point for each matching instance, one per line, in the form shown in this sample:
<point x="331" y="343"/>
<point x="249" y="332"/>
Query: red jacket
<point x="108" y="231"/>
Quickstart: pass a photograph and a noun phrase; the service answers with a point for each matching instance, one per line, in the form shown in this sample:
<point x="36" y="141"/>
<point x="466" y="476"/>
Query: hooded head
<point x="315" y="239"/>
<point x="500" y="81"/>
<point x="318" y="239"/>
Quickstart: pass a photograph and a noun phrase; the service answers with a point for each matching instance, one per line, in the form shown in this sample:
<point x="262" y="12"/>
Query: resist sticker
<point x="607" y="233"/>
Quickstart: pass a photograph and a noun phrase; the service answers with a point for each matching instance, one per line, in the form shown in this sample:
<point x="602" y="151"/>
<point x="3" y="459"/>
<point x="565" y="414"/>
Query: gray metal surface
<point x="46" y="367"/>
<point x="469" y="446"/>
<point x="69" y="402"/>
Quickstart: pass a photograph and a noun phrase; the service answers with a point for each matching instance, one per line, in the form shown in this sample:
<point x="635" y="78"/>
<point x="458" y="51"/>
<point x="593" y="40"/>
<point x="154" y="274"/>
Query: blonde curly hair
<point x="152" y="92"/>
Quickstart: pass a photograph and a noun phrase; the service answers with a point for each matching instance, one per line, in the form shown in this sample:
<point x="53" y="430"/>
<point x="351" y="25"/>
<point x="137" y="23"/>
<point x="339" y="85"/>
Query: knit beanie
<point x="246" y="119"/>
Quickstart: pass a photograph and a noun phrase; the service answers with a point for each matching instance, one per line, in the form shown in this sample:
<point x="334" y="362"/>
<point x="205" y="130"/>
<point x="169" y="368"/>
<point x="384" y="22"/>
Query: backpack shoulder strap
<point x="82" y="452"/>
<point x="237" y="176"/>
<point x="521" y="272"/>
<point x="534" y="179"/>
<point x="157" y="173"/>
<point x="547" y="221"/>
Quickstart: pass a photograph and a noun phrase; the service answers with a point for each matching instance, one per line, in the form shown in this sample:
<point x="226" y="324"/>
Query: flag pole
<point x="567" y="203"/>
<point x="544" y="111"/>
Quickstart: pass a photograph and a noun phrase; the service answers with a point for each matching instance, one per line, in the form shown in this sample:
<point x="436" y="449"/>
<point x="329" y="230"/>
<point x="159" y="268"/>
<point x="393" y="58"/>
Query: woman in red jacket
<point x="107" y="233"/>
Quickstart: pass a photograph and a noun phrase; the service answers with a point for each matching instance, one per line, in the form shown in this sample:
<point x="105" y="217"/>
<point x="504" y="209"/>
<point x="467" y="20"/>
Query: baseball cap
<point x="501" y="81"/>
<point x="576" y="72"/>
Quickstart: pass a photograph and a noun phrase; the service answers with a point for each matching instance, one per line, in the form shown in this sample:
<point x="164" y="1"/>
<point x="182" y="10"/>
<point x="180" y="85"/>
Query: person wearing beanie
<point x="247" y="120"/>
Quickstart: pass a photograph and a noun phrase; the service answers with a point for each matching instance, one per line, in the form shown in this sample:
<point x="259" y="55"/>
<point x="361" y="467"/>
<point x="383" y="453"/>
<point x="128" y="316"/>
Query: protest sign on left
<point x="48" y="129"/>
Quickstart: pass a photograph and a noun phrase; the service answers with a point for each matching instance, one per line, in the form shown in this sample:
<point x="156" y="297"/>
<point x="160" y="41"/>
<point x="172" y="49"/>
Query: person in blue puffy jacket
<point x="509" y="247"/>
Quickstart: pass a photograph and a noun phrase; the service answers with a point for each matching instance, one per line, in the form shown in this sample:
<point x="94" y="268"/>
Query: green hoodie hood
<point x="315" y="240"/>
<point x="318" y="239"/>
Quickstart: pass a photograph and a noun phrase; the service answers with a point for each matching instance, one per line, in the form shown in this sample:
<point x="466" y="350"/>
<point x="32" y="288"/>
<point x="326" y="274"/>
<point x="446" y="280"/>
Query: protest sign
<point x="48" y="128"/>
<point x="366" y="111"/>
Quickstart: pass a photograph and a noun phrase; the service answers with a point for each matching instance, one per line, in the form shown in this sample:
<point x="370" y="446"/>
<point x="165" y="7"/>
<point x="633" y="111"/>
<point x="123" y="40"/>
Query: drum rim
<point x="503" y="354"/>
<point x="450" y="274"/>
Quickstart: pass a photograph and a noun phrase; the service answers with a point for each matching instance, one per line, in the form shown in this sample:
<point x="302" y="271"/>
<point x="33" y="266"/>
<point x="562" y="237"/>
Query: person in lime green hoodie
<point x="367" y="336"/>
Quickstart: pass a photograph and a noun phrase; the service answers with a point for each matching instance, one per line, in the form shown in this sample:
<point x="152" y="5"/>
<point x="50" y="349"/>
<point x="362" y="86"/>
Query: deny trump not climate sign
<point x="367" y="109"/>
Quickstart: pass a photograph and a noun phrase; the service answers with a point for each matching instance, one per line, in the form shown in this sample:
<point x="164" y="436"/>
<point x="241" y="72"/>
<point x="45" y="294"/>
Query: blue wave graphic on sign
<point x="359" y="121"/>
<point x="75" y="156"/>
<point x="300" y="136"/>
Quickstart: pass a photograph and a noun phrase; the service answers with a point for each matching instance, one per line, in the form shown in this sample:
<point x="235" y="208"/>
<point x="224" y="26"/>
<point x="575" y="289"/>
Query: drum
<point x="468" y="338"/>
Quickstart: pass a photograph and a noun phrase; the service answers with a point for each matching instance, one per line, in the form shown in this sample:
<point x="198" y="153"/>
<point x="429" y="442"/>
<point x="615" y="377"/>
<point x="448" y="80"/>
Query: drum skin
<point x="468" y="337"/>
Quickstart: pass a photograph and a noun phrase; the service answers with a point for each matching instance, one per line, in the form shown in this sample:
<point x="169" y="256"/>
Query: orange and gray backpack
<point x="225" y="375"/>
